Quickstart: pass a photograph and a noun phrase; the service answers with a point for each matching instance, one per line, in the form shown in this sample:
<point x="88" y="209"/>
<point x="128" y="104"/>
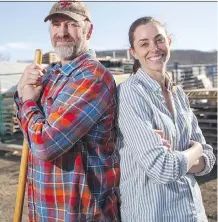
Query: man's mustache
<point x="64" y="39"/>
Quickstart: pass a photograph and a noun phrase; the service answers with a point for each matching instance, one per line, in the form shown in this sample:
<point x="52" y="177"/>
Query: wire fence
<point x="194" y="76"/>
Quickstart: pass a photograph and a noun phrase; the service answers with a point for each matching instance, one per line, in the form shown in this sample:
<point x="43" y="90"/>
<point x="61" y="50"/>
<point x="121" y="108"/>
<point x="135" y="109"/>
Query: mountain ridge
<point x="183" y="57"/>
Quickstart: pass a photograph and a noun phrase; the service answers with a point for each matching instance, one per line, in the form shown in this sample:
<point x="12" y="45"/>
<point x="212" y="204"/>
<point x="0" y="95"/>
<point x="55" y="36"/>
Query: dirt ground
<point x="9" y="172"/>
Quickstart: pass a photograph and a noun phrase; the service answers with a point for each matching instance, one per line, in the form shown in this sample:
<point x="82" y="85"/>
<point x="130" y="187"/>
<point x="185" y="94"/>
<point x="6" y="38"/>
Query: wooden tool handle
<point x="21" y="184"/>
<point x="24" y="165"/>
<point x="38" y="56"/>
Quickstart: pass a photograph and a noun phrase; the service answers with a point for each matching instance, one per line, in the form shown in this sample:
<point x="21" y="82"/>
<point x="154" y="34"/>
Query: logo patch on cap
<point x="64" y="4"/>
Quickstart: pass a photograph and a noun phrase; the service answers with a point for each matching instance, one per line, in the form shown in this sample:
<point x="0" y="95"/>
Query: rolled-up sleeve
<point x="209" y="157"/>
<point x="197" y="136"/>
<point x="146" y="147"/>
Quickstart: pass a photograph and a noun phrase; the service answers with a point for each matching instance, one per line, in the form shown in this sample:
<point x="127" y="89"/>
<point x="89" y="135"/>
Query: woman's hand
<point x="165" y="142"/>
<point x="200" y="163"/>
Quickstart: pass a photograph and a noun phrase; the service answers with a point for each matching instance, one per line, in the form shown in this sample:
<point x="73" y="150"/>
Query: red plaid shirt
<point x="73" y="172"/>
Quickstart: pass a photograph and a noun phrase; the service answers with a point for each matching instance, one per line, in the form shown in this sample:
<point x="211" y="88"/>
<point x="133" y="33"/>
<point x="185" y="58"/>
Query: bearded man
<point x="67" y="114"/>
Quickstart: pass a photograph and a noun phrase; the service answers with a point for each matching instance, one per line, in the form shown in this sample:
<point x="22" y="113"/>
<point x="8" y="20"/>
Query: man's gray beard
<point x="68" y="52"/>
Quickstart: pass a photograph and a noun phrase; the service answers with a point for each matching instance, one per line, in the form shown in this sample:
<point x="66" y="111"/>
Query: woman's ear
<point x="88" y="36"/>
<point x="132" y="52"/>
<point x="169" y="40"/>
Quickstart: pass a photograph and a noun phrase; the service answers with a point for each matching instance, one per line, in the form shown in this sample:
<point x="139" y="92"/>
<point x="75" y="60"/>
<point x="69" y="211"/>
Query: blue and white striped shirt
<point x="155" y="185"/>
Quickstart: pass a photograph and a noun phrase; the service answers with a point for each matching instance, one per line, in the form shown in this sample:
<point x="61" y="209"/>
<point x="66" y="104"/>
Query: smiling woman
<point x="149" y="50"/>
<point x="161" y="146"/>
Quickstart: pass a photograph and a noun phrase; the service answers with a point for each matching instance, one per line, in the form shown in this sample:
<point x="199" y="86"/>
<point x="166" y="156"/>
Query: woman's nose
<point x="153" y="46"/>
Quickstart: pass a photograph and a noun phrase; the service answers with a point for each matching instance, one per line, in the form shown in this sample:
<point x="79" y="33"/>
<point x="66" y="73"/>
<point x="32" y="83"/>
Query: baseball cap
<point x="74" y="9"/>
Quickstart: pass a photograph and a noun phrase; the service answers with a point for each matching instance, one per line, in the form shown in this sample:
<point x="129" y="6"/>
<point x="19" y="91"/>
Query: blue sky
<point x="193" y="25"/>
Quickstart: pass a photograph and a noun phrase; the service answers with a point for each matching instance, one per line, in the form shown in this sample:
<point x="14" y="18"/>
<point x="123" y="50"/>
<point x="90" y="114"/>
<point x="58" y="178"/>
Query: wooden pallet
<point x="205" y="115"/>
<point x="204" y="105"/>
<point x="8" y="111"/>
<point x="202" y="93"/>
<point x="190" y="81"/>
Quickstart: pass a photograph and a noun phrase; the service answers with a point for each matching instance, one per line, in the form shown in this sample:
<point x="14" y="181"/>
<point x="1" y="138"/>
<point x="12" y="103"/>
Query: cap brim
<point x="74" y="16"/>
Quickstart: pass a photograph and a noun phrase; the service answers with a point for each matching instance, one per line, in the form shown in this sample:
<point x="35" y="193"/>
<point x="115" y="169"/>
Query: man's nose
<point x="63" y="30"/>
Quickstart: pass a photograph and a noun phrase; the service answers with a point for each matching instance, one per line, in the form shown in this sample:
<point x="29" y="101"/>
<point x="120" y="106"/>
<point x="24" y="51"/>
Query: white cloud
<point x="15" y="45"/>
<point x="2" y="48"/>
<point x="18" y="45"/>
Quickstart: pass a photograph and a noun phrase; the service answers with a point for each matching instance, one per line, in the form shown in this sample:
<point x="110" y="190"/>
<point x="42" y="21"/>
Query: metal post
<point x="175" y="76"/>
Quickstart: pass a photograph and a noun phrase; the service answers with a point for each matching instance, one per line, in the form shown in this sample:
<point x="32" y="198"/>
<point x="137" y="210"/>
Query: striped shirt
<point x="155" y="185"/>
<point x="73" y="171"/>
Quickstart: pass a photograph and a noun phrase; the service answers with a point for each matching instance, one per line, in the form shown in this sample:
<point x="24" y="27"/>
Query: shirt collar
<point x="152" y="84"/>
<point x="68" y="68"/>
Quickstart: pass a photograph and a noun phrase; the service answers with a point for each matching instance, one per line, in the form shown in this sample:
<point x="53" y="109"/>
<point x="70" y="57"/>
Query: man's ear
<point x="88" y="36"/>
<point x="131" y="50"/>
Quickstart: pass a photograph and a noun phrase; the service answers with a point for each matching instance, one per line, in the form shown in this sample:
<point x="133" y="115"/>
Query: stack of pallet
<point x="50" y="58"/>
<point x="212" y="74"/>
<point x="8" y="113"/>
<point x="194" y="78"/>
<point x="204" y="105"/>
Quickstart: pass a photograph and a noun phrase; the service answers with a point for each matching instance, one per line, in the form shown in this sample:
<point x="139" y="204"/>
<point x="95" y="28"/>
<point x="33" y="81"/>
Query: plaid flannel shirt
<point x="73" y="171"/>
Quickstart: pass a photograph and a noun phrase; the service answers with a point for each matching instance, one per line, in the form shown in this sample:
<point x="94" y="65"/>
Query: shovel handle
<point x="24" y="164"/>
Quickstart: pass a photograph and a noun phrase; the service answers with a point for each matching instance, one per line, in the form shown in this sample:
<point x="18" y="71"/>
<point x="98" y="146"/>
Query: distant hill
<point x="183" y="57"/>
